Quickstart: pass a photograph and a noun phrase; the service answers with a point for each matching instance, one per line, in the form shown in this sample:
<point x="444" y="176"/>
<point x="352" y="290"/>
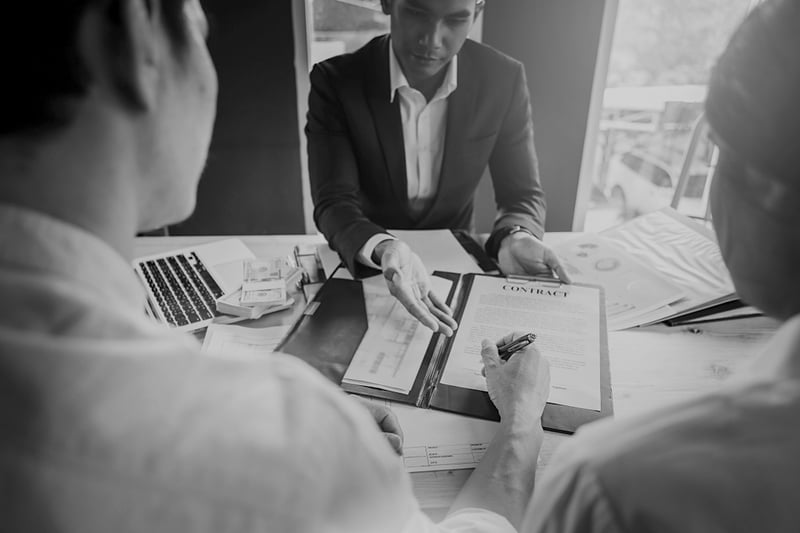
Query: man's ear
<point x="134" y="42"/>
<point x="386" y="5"/>
<point x="479" y="5"/>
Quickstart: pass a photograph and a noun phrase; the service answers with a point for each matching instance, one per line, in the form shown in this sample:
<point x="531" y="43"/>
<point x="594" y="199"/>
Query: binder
<point x="556" y="417"/>
<point x="330" y="329"/>
<point x="329" y="339"/>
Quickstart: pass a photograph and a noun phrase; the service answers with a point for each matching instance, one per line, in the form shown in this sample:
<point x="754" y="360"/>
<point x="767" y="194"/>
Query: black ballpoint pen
<point x="511" y="347"/>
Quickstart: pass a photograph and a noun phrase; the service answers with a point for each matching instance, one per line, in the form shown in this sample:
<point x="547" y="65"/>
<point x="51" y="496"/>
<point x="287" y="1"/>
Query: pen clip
<point x="516" y="345"/>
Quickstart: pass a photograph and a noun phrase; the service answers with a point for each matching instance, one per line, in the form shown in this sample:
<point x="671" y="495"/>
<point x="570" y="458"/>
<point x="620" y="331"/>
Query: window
<point x="340" y="26"/>
<point x="661" y="56"/>
<point x="696" y="186"/>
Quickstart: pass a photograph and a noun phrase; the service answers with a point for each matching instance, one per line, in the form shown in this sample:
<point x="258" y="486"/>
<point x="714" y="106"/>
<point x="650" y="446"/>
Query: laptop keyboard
<point x="182" y="288"/>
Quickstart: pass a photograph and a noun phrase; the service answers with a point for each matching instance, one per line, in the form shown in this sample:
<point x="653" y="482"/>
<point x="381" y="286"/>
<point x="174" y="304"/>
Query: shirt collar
<point x="37" y="242"/>
<point x="397" y="79"/>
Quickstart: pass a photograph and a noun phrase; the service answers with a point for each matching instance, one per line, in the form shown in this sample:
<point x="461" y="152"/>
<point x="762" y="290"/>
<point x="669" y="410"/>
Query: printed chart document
<point x="238" y="342"/>
<point x="632" y="288"/>
<point x="567" y="323"/>
<point x="391" y="353"/>
<point x="682" y="251"/>
<point x="656" y="267"/>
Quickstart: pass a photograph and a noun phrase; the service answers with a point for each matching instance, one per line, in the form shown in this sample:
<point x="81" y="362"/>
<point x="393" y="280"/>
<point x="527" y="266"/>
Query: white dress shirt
<point x="110" y="422"/>
<point x="725" y="462"/>
<point x="424" y="130"/>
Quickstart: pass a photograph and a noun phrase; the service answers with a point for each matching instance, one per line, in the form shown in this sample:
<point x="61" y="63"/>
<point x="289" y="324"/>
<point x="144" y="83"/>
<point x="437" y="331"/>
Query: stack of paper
<point x="655" y="267"/>
<point x="263" y="282"/>
<point x="264" y="289"/>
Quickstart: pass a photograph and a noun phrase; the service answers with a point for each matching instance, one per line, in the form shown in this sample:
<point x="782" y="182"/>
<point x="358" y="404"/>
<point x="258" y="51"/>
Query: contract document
<point x="565" y="318"/>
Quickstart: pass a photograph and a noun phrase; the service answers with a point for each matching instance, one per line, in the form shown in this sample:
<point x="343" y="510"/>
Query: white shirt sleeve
<point x="365" y="254"/>
<point x="569" y="497"/>
<point x="468" y="520"/>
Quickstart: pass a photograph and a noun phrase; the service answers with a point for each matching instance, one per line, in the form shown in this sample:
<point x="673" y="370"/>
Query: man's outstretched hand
<point x="522" y="253"/>
<point x="408" y="281"/>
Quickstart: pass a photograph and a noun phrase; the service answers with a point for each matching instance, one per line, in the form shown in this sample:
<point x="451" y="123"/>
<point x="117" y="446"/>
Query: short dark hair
<point x="43" y="74"/>
<point x="753" y="103"/>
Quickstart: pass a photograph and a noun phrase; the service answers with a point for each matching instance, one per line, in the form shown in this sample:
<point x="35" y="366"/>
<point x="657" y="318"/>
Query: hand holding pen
<point x="511" y="347"/>
<point x="518" y="386"/>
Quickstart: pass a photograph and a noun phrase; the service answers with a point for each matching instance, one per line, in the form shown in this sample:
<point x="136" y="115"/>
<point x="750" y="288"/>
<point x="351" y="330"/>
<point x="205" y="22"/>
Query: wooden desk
<point x="649" y="366"/>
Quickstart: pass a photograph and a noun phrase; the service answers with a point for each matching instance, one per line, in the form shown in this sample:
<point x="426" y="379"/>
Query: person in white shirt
<point x="400" y="133"/>
<point x="728" y="461"/>
<point x="109" y="422"/>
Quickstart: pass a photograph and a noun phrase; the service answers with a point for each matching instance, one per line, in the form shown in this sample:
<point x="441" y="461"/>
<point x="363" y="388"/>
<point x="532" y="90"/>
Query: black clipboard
<point x="556" y="417"/>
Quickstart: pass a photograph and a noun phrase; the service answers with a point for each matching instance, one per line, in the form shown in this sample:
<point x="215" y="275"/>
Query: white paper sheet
<point x="565" y="318"/>
<point x="436" y="440"/>
<point x="237" y="342"/>
<point x="632" y="288"/>
<point x="392" y="350"/>
<point x="439" y="250"/>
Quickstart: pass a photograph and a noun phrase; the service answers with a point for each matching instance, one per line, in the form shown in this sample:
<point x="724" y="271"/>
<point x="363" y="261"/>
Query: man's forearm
<point x="503" y="481"/>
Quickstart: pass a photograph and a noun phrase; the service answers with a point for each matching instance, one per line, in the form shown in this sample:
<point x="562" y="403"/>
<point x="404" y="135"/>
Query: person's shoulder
<point x="357" y="63"/>
<point x="319" y="411"/>
<point x="651" y="443"/>
<point x="490" y="58"/>
<point x="607" y="444"/>
<point x="655" y="467"/>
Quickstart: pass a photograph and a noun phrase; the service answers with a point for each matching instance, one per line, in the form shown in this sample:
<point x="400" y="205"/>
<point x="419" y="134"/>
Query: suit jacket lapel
<point x="386" y="116"/>
<point x="459" y="110"/>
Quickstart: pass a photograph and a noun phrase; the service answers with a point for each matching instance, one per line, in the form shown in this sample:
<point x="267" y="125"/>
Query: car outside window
<point x="633" y="162"/>
<point x="660" y="177"/>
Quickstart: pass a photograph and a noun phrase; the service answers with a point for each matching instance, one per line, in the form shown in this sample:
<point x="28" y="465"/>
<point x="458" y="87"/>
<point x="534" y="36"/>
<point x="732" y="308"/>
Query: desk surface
<point x="649" y="366"/>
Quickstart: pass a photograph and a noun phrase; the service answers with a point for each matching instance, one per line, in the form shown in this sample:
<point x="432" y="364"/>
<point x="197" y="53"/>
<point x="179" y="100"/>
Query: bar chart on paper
<point x="394" y="346"/>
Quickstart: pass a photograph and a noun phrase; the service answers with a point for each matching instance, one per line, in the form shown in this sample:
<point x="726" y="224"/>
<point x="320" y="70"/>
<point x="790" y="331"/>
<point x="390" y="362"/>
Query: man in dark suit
<point x="399" y="135"/>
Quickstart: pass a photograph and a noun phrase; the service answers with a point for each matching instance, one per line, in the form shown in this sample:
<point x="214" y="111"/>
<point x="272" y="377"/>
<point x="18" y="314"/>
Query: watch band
<point x="493" y="244"/>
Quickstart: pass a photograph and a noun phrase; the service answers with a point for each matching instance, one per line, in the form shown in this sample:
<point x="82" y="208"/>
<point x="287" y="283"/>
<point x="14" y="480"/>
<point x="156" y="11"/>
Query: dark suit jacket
<point x="357" y="160"/>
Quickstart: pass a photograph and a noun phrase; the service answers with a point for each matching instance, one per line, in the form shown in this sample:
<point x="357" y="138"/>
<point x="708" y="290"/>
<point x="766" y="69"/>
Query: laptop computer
<point x="183" y="285"/>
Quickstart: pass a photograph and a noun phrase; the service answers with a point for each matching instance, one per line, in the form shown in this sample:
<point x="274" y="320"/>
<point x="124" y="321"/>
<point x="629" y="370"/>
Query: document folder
<point x="330" y="329"/>
<point x="556" y="417"/>
<point x="343" y="329"/>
